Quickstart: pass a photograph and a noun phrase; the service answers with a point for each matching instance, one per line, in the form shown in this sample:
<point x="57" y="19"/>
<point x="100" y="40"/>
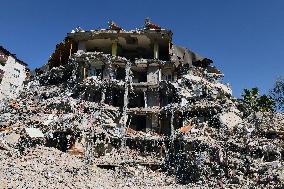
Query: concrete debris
<point x="34" y="133"/>
<point x="230" y="119"/>
<point x="115" y="108"/>
<point x="9" y="141"/>
<point x="44" y="167"/>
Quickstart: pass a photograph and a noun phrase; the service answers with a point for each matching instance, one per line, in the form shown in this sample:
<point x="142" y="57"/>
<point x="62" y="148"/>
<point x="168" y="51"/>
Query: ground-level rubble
<point x="44" y="167"/>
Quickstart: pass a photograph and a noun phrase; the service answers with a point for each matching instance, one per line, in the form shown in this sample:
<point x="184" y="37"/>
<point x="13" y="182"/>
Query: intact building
<point x="13" y="73"/>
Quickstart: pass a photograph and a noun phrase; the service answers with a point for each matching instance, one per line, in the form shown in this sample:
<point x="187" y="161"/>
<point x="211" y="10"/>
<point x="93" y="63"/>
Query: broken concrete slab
<point x="230" y="119"/>
<point x="34" y="133"/>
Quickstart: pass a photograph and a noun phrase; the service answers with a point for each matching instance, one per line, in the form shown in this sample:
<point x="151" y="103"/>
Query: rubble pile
<point x="247" y="155"/>
<point x="226" y="150"/>
<point x="44" y="167"/>
<point x="131" y="109"/>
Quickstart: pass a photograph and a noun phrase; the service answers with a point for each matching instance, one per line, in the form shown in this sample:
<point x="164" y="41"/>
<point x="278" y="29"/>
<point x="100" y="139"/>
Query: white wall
<point x="153" y="74"/>
<point x="14" y="76"/>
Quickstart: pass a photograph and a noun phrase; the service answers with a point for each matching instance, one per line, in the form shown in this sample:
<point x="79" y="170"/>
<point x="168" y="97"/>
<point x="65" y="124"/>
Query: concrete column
<point x="125" y="103"/>
<point x="156" y="50"/>
<point x="172" y="125"/>
<point x="159" y="75"/>
<point x="170" y="50"/>
<point x="160" y="125"/>
<point x="127" y="80"/>
<point x="70" y="51"/>
<point x="84" y="72"/>
<point x="114" y="48"/>
<point x="145" y="99"/>
<point x="103" y="95"/>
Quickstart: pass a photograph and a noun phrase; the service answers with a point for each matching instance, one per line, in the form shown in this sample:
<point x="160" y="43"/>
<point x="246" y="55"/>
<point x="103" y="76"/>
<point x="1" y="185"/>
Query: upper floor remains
<point x="149" y="43"/>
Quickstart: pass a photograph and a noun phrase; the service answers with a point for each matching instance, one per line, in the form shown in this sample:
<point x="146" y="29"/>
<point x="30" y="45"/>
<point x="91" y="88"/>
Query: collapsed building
<point x="138" y="73"/>
<point x="13" y="73"/>
<point x="148" y="112"/>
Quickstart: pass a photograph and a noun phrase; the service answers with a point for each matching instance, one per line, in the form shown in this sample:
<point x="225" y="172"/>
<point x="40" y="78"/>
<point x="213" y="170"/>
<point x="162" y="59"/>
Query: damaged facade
<point x="139" y="73"/>
<point x="13" y="73"/>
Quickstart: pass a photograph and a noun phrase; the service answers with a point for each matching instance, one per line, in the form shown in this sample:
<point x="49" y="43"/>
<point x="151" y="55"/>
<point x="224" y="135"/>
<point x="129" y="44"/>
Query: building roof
<point x="8" y="53"/>
<point x="83" y="35"/>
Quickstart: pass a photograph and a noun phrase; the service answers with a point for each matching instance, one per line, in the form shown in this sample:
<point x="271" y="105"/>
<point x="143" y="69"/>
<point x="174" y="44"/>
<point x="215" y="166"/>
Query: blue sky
<point x="245" y="39"/>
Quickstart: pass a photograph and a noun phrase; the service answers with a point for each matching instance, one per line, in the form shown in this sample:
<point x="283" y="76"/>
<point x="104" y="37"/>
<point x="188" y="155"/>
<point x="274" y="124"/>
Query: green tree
<point x="277" y="93"/>
<point x="255" y="103"/>
<point x="265" y="104"/>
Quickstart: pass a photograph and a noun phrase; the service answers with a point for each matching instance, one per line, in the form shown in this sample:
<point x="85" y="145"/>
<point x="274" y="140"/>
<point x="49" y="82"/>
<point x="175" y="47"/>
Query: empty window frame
<point x="16" y="73"/>
<point x="13" y="88"/>
<point x="1" y="75"/>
